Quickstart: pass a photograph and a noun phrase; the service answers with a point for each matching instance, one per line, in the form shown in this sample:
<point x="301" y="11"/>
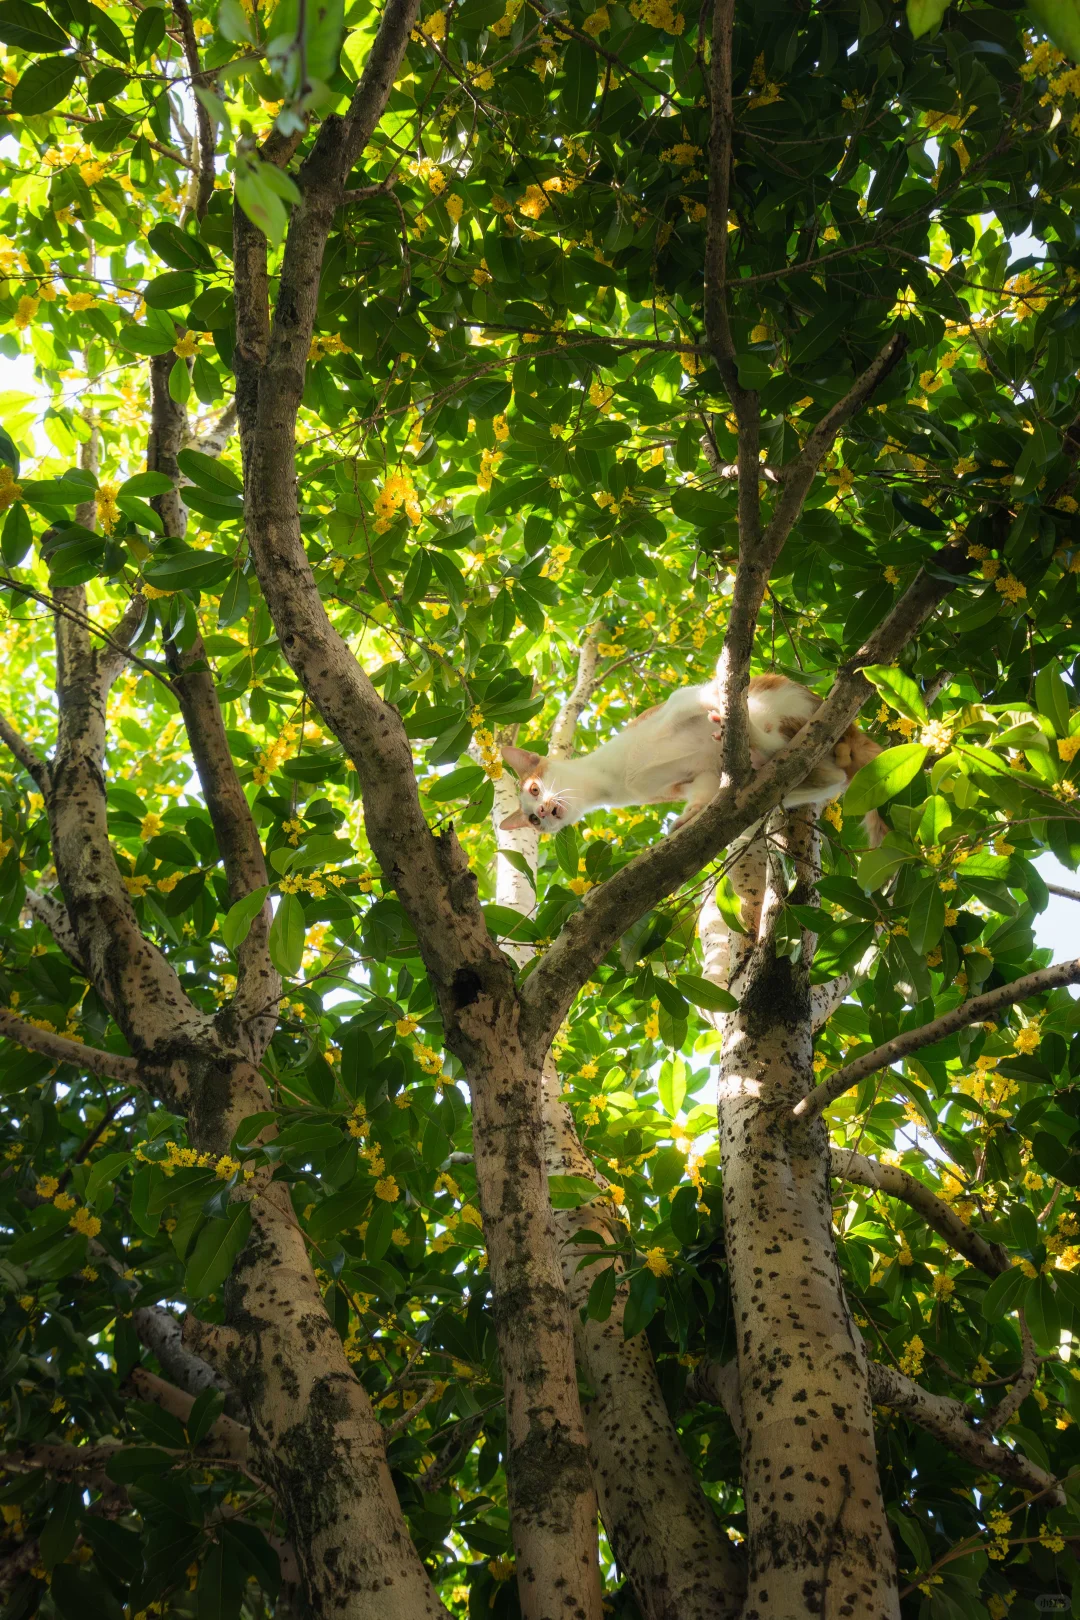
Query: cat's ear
<point x="522" y="761"/>
<point x="512" y="823"/>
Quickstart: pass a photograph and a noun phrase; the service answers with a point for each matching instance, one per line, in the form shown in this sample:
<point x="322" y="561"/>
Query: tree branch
<point x="844" y="1165"/>
<point x="203" y="122"/>
<point x="30" y="761"/>
<point x="912" y="1040"/>
<point x="1064" y="894"/>
<point x="226" y="1437"/>
<point x="717" y="322"/>
<point x="62" y="1049"/>
<point x="55" y="918"/>
<point x="161" y="1333"/>
<point x="585" y="684"/>
<point x="1018" y="1392"/>
<point x="214" y="440"/>
<point x="949" y="1421"/>
<point x="610" y="909"/>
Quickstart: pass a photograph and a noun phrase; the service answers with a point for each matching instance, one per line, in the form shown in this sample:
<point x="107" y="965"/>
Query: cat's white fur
<point x="671" y="754"/>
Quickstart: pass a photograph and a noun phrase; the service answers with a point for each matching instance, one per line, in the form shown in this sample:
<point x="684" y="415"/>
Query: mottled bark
<point x="251" y="1016"/>
<point x="660" y="1525"/>
<point x="313" y="1434"/>
<point x="819" y="1542"/>
<point x="553" y="1508"/>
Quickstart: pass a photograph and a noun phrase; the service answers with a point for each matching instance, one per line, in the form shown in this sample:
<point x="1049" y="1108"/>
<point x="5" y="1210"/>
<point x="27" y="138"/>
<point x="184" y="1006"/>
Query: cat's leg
<point x="697" y="793"/>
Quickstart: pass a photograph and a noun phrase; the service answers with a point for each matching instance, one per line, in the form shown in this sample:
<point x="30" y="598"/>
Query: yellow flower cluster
<point x="489" y="466"/>
<point x="683" y="153"/>
<point x="558" y="558"/>
<point x="324" y="343"/>
<point x="1010" y="587"/>
<point x="486" y="747"/>
<point x="398" y="490"/>
<point x="911" y="1362"/>
<point x="658" y="14"/>
<point x="10" y="491"/>
<point x="657" y="1262"/>
<point x="108" y="513"/>
<point x="502" y="26"/>
<point x="534" y="202"/>
<point x="429" y="171"/>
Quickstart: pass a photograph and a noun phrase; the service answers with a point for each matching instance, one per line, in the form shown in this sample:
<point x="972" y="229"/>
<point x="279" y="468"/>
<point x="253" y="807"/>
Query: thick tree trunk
<point x="314" y="1436"/>
<point x="819" y="1541"/>
<point x="549" y="1482"/>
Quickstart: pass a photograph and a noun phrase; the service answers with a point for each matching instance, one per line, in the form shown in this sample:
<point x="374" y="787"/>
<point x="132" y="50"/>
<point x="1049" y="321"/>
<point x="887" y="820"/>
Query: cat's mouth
<point x="550" y="812"/>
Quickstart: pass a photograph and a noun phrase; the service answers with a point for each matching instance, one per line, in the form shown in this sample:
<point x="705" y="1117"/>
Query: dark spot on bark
<point x="465" y="988"/>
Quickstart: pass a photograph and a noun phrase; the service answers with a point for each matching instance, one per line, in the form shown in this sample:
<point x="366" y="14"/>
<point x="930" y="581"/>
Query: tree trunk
<point x="819" y="1541"/>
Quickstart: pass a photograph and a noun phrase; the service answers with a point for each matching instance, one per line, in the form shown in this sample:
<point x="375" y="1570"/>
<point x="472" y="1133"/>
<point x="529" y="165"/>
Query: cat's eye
<point x="534" y="789"/>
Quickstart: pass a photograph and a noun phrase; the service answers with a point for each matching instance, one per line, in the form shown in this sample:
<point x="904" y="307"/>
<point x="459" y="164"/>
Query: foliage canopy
<point x="514" y="430"/>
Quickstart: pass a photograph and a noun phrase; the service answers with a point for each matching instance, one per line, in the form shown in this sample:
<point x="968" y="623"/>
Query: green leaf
<point x="922" y="15"/>
<point x="62" y="1527"/>
<point x="81" y="1594"/>
<point x="169" y="291"/>
<point x="520" y="864"/>
<point x="106" y="84"/>
<point x="898" y="690"/>
<point x="565" y="845"/>
<point x="380" y="1229"/>
<point x="672" y="1086"/>
<point x="1042" y="1314"/>
<point x="1052" y="697"/>
<point x="1061" y="19"/>
<point x="602" y="1294"/>
<point x="236" y="924"/>
<point x="504" y="256"/>
<point x="286" y="943"/>
<point x="210" y="474"/>
<point x="702" y="993"/>
<point x="926" y="920"/>
<point x="570" y="1192"/>
<point x="684" y="1216"/>
<point x="1006" y="1293"/>
<point x="883" y="777"/>
<point x="187" y="570"/>
<point x="179" y="249"/>
<point x="148" y="33"/>
<point x="912" y="512"/>
<point x="259" y="196"/>
<point x="216" y="1250"/>
<point x="208" y="1407"/>
<point x="43" y="85"/>
<point x="17" y="536"/>
<point x="642" y="1303"/>
<point x="220" y="1591"/>
<point x="580" y="69"/>
<point x="29" y="28"/>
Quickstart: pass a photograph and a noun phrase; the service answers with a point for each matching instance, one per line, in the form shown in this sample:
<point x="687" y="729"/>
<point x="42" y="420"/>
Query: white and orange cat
<point x="671" y="754"/>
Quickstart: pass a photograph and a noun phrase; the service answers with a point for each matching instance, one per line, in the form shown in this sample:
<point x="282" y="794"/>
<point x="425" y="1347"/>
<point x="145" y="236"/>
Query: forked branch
<point x="62" y="1049"/>
<point x="845" y="1165"/>
<point x="973" y="1011"/>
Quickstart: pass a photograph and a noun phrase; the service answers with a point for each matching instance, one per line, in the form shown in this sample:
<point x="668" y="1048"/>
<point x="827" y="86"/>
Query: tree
<point x="406" y="385"/>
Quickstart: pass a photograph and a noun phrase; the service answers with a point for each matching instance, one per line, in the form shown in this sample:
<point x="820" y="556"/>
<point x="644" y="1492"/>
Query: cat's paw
<point x="688" y="815"/>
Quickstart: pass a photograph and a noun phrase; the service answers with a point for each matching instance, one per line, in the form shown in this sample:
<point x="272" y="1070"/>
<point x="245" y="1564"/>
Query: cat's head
<point x="540" y="805"/>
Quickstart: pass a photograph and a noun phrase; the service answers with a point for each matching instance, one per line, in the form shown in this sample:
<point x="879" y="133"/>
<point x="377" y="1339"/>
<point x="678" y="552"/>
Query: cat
<point x="670" y="754"/>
